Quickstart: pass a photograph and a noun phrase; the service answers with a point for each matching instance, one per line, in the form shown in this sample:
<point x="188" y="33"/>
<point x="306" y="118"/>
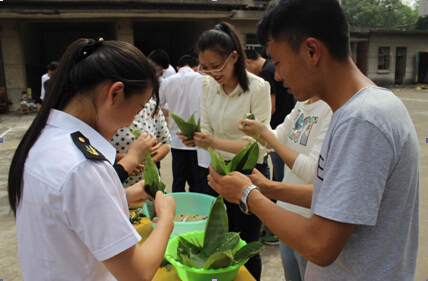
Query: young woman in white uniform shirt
<point x="229" y="92"/>
<point x="71" y="211"/>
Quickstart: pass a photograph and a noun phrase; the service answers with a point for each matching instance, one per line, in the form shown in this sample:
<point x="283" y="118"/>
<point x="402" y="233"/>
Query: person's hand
<point x="154" y="150"/>
<point x="231" y="187"/>
<point x="252" y="127"/>
<point x="260" y="181"/>
<point x="136" y="194"/>
<point x="204" y="140"/>
<point x="137" y="170"/>
<point x="139" y="147"/>
<point x="165" y="206"/>
<point x="185" y="141"/>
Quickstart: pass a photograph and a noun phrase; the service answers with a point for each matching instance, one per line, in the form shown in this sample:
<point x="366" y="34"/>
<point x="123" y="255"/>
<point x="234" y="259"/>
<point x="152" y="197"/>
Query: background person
<point x="179" y="91"/>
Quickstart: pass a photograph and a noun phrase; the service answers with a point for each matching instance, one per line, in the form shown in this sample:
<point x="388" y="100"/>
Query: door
<point x="400" y="64"/>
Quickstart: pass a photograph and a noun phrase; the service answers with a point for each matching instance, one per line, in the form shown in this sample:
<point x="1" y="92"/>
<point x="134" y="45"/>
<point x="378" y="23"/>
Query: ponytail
<point x="223" y="40"/>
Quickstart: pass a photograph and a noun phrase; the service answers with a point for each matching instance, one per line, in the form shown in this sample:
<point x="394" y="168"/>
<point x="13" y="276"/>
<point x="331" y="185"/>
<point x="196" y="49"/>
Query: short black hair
<point x="24" y="93"/>
<point x="252" y="54"/>
<point x="293" y="21"/>
<point x="188" y="60"/>
<point x="160" y="57"/>
<point x="52" y="65"/>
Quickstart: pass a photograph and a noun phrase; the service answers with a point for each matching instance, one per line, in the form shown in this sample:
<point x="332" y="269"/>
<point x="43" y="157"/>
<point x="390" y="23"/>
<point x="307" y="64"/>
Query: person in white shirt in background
<point x="179" y="91"/>
<point x="51" y="68"/>
<point x="161" y="59"/>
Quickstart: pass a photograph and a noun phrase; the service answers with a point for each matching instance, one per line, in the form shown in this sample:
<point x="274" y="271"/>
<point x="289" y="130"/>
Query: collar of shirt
<point x="70" y="123"/>
<point x="185" y="70"/>
<point x="237" y="91"/>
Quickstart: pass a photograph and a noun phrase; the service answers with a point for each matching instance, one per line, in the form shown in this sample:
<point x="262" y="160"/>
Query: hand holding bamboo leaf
<point x="230" y="187"/>
<point x="187" y="128"/>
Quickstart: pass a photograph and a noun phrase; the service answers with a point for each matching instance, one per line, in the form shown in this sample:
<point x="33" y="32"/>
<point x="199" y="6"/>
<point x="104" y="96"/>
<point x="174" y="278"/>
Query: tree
<point x="386" y="14"/>
<point x="422" y="23"/>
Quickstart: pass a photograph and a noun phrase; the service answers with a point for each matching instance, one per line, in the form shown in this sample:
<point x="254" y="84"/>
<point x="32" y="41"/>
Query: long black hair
<point x="85" y="64"/>
<point x="223" y="40"/>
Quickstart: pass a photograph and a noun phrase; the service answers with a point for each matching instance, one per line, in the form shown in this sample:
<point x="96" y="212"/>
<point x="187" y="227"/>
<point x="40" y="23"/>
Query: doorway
<point x="400" y="64"/>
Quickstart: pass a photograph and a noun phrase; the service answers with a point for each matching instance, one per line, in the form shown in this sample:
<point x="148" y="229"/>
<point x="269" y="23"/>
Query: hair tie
<point x="218" y="27"/>
<point x="89" y="48"/>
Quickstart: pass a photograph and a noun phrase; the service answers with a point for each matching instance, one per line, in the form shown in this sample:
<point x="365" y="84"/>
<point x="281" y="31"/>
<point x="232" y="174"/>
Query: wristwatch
<point x="243" y="202"/>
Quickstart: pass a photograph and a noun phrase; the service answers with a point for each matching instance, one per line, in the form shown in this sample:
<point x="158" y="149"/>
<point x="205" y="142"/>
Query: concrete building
<point x="35" y="32"/>
<point x="423" y="8"/>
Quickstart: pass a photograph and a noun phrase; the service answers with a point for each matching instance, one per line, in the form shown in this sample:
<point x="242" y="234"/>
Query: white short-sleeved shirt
<point x="73" y="213"/>
<point x="304" y="130"/>
<point x="220" y="113"/>
<point x="45" y="78"/>
<point x="143" y="121"/>
<point x="178" y="91"/>
<point x="168" y="72"/>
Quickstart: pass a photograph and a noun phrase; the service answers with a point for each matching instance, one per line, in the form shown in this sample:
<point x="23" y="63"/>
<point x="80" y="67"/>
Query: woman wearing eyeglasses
<point x="228" y="92"/>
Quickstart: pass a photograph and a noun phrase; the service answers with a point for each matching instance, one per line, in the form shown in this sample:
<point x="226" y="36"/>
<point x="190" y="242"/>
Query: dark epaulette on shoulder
<point x="85" y="146"/>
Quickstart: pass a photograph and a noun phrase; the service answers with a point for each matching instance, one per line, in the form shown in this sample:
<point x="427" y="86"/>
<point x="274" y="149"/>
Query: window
<point x="383" y="58"/>
<point x="252" y="43"/>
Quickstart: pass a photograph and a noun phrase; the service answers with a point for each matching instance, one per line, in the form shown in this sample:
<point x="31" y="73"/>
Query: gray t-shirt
<point x="368" y="175"/>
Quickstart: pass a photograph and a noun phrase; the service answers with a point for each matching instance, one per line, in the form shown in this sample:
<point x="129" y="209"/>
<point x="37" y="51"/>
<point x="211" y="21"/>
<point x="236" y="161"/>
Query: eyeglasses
<point x="216" y="72"/>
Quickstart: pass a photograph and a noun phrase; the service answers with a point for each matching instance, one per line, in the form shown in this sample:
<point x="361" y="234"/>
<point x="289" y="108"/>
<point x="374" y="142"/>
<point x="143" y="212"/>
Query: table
<point x="144" y="228"/>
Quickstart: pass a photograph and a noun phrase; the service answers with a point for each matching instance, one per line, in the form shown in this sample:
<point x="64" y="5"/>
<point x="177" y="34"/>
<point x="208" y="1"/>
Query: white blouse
<point x="156" y="126"/>
<point x="220" y="113"/>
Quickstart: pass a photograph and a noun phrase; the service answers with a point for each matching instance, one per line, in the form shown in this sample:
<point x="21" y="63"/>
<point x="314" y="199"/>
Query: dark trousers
<point x="185" y="169"/>
<point x="248" y="225"/>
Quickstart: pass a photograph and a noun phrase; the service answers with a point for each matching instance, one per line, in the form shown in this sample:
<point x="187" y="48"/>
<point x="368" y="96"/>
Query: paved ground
<point x="14" y="125"/>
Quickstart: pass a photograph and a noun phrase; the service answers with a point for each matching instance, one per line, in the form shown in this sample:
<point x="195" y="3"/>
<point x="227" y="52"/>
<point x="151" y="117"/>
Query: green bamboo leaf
<point x="187" y="261"/>
<point x="251" y="161"/>
<point x="198" y="127"/>
<point x="198" y="262"/>
<point x="248" y="251"/>
<point x="186" y="248"/>
<point x="187" y="128"/>
<point x="247" y="116"/>
<point x="217" y="223"/>
<point x="226" y="241"/>
<point x="219" y="260"/>
<point x="218" y="163"/>
<point x="238" y="161"/>
<point x="136" y="132"/>
<point x="151" y="208"/>
<point x="152" y="183"/>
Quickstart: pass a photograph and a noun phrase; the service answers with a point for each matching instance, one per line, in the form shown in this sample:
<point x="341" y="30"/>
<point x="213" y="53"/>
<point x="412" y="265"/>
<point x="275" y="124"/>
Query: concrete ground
<point x="14" y="125"/>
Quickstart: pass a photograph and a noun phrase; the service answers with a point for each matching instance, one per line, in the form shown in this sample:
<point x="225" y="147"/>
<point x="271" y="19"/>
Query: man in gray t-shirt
<point x="367" y="175"/>
<point x="365" y="198"/>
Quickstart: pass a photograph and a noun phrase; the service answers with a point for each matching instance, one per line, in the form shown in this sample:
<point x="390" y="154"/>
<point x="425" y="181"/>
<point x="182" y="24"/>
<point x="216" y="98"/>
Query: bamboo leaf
<point x="218" y="163"/>
<point x="151" y="208"/>
<point x="136" y="132"/>
<point x="187" y="128"/>
<point x="187" y="261"/>
<point x="248" y="251"/>
<point x="252" y="157"/>
<point x="238" y="161"/>
<point x="219" y="260"/>
<point x="226" y="241"/>
<point x="198" y="127"/>
<point x="186" y="248"/>
<point x="247" y="116"/>
<point x="199" y="262"/>
<point x="217" y="223"/>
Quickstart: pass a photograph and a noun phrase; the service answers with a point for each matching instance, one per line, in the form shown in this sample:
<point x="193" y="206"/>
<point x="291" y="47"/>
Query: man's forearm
<point x="296" y="194"/>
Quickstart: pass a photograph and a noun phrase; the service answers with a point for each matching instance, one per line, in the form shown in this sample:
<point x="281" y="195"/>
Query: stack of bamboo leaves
<point x="219" y="244"/>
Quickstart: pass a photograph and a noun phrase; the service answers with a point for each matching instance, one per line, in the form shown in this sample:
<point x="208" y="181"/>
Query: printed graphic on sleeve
<point x="302" y="128"/>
